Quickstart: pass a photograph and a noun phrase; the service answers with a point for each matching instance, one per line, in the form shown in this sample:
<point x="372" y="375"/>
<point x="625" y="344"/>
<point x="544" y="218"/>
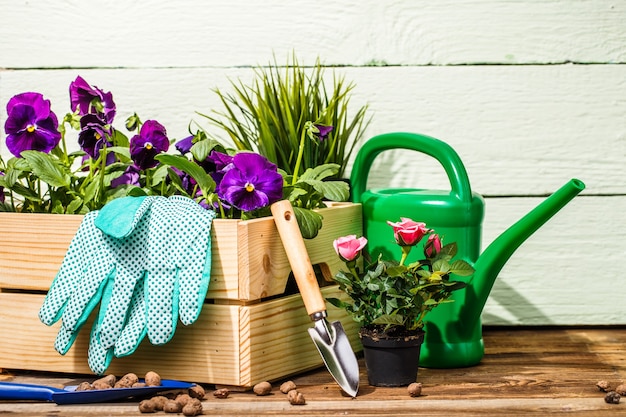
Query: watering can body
<point x="453" y="330"/>
<point x="456" y="215"/>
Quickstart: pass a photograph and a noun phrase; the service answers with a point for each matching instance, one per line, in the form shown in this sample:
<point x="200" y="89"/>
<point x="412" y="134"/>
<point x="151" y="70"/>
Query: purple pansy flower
<point x="151" y="141"/>
<point x="184" y="145"/>
<point x="222" y="164"/>
<point x="91" y="100"/>
<point x="186" y="180"/>
<point x="31" y="124"/>
<point x="324" y="131"/>
<point x="251" y="183"/>
<point x="130" y="177"/>
<point x="94" y="135"/>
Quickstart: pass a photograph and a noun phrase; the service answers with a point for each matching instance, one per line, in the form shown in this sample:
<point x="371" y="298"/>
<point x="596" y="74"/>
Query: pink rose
<point x="407" y="232"/>
<point x="349" y="247"/>
<point x="432" y="246"/>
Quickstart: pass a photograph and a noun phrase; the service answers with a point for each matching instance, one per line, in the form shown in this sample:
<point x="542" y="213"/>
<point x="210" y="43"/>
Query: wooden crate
<point x="241" y="337"/>
<point x="248" y="259"/>
<point x="229" y="344"/>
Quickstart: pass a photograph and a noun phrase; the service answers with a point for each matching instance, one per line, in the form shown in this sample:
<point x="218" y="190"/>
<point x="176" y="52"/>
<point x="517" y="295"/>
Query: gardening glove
<point x="87" y="270"/>
<point x="176" y="262"/>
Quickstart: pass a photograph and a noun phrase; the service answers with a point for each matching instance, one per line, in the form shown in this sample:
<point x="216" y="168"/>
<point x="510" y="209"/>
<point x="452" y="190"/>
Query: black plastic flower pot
<point x="391" y="361"/>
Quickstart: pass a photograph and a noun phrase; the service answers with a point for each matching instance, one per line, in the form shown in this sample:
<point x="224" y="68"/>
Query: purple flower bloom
<point x="93" y="135"/>
<point x="186" y="180"/>
<point x="151" y="141"/>
<point x="91" y="100"/>
<point x="130" y="176"/>
<point x="324" y="131"/>
<point x="222" y="164"/>
<point x="31" y="124"/>
<point x="252" y="183"/>
<point x="184" y="145"/>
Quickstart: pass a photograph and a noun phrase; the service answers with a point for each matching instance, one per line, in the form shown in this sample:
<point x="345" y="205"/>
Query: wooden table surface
<point x="525" y="371"/>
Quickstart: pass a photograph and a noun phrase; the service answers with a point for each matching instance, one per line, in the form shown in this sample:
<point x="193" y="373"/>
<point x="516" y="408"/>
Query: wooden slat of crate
<point x="249" y="262"/>
<point x="228" y="345"/>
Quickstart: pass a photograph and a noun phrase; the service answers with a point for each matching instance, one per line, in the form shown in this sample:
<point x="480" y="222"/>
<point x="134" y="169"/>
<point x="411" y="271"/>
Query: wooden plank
<point x="248" y="259"/>
<point x="520" y="130"/>
<point x="526" y="371"/>
<point x="227" y="345"/>
<point x="554" y="277"/>
<point x="364" y="32"/>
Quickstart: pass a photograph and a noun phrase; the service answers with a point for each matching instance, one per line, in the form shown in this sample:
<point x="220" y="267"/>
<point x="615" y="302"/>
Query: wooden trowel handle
<point x="289" y="232"/>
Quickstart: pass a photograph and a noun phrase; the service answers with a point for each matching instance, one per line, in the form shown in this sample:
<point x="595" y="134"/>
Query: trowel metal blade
<point x="334" y="347"/>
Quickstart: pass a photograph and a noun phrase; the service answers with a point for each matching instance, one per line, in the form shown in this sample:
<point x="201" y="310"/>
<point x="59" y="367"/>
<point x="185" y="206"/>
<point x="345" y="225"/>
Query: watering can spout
<point x="500" y="250"/>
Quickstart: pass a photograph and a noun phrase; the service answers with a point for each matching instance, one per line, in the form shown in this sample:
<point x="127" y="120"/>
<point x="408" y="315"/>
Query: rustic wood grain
<point x="248" y="259"/>
<point x="228" y="344"/>
<point x="526" y="371"/>
<point x="519" y="130"/>
<point x="353" y="32"/>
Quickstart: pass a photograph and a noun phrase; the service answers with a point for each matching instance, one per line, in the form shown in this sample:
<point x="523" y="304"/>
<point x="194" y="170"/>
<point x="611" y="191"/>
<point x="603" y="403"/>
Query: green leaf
<point x="461" y="268"/>
<point x="338" y="303"/>
<point x="396" y="271"/>
<point x="201" y="149"/>
<point x="203" y="179"/>
<point x="123" y="153"/>
<point x="390" y="320"/>
<point x="119" y="139"/>
<point x="332" y="190"/>
<point x="310" y="222"/>
<point x="135" y="191"/>
<point x="441" y="266"/>
<point x="47" y="168"/>
<point x="74" y="206"/>
<point x="25" y="192"/>
<point x="320" y="172"/>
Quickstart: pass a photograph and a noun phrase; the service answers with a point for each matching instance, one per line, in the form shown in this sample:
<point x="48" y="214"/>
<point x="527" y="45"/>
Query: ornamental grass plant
<point x="269" y="114"/>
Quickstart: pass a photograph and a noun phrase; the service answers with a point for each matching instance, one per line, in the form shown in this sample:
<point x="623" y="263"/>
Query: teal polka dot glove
<point x="175" y="258"/>
<point x="88" y="270"/>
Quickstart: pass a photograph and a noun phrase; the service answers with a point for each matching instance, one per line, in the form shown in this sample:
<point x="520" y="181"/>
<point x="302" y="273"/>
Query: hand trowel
<point x="329" y="338"/>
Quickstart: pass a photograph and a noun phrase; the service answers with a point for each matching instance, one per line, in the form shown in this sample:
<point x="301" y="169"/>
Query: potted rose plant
<point x="390" y="299"/>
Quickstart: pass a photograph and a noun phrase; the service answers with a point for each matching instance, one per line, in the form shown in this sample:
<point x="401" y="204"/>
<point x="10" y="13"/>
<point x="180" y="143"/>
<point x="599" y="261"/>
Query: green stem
<point x="405" y="253"/>
<point x="103" y="155"/>
<point x="299" y="158"/>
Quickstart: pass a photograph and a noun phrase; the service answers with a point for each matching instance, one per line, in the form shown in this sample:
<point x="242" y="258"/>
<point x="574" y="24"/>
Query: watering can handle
<point x="441" y="151"/>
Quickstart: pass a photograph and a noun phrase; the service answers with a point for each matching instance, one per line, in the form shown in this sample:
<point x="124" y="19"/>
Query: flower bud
<point x="349" y="247"/>
<point x="432" y="246"/>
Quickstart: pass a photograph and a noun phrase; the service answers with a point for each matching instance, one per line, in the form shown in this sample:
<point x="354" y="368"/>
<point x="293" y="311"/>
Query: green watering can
<point x="453" y="330"/>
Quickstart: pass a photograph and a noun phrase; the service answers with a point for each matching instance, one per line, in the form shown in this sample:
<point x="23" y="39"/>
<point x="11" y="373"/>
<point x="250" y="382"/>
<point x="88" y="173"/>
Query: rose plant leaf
<point x="461" y="268"/>
<point x="48" y="169"/>
<point x="390" y="319"/>
<point x="441" y="265"/>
